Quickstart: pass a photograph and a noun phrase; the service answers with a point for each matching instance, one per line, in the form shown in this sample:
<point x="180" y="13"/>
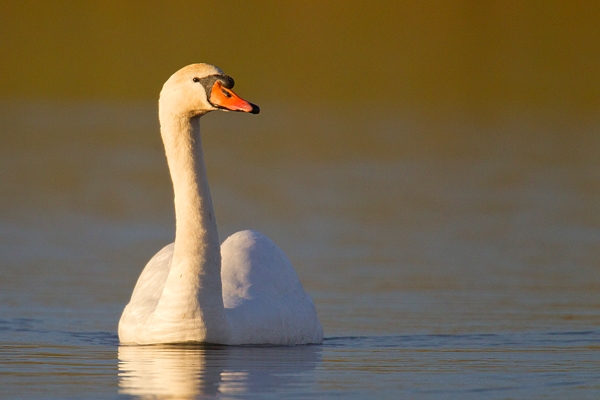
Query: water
<point x="555" y="365"/>
<point x="455" y="262"/>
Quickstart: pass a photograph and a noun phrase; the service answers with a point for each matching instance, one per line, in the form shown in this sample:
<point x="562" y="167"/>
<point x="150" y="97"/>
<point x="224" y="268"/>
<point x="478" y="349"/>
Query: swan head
<point x="198" y="89"/>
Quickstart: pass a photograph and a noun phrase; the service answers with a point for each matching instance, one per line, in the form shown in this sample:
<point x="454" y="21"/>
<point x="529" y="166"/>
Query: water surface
<point x="458" y="262"/>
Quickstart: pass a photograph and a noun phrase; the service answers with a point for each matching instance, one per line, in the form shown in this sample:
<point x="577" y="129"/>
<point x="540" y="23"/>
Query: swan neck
<point x="192" y="296"/>
<point x="196" y="233"/>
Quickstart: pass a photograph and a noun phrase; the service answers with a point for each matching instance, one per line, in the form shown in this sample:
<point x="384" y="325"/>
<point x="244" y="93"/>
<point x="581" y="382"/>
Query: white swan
<point x="246" y="291"/>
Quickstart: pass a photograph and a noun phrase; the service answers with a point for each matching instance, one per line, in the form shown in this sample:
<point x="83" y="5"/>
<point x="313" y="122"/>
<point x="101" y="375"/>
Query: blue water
<point x="495" y="366"/>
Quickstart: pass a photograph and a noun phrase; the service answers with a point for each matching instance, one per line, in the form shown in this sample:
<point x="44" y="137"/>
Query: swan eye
<point x="226" y="93"/>
<point x="196" y="80"/>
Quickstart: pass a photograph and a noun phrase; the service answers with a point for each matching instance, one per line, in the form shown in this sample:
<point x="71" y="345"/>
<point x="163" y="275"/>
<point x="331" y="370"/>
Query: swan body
<point x="193" y="290"/>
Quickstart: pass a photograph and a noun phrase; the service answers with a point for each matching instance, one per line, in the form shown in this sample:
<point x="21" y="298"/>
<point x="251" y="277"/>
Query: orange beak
<point x="226" y="99"/>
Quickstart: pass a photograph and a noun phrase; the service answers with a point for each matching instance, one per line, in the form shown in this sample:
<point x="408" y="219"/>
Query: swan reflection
<point x="186" y="371"/>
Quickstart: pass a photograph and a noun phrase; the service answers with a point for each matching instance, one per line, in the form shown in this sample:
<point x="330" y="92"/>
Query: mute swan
<point x="246" y="291"/>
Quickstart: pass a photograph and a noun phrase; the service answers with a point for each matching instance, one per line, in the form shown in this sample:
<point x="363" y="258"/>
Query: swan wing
<point x="263" y="297"/>
<point x="146" y="294"/>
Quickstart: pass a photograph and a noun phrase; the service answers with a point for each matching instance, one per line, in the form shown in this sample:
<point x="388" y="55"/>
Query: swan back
<point x="263" y="297"/>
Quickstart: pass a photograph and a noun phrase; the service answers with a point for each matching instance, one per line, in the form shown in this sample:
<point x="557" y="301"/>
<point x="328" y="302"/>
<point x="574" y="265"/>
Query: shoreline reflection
<point x="186" y="371"/>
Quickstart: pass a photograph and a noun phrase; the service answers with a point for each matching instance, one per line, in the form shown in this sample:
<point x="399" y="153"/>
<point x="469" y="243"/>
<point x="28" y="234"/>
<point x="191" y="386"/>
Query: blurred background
<point x="437" y="157"/>
<point x="460" y="55"/>
<point x="432" y="57"/>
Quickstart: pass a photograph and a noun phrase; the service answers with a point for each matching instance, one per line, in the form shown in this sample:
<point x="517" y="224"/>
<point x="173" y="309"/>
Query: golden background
<point x="469" y="56"/>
